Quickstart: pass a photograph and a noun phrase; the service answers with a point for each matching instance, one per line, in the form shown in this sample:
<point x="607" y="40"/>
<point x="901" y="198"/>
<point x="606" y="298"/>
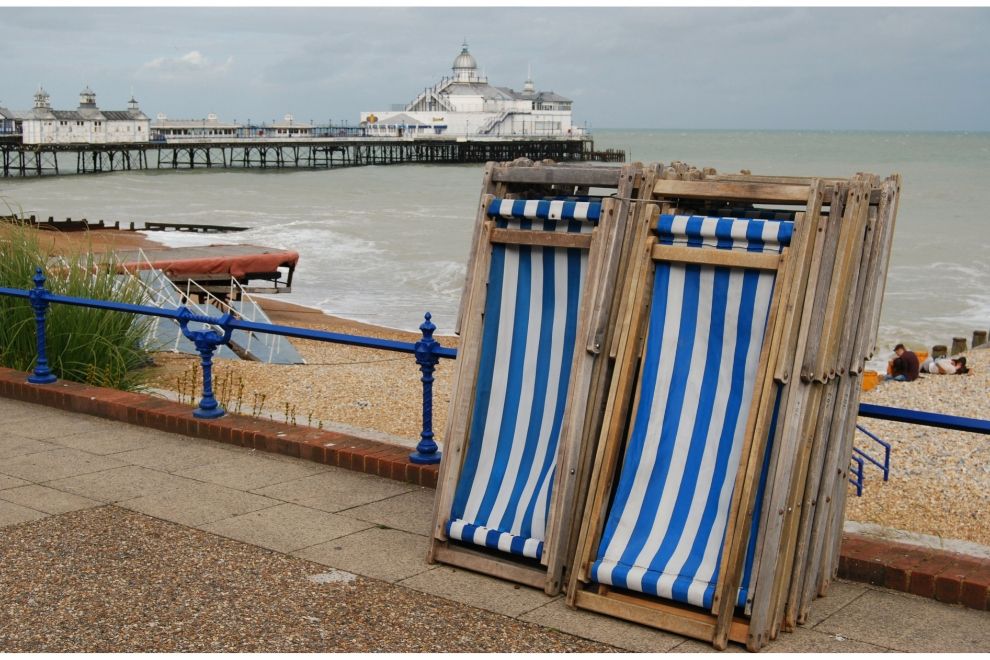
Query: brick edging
<point x="949" y="577"/>
<point x="945" y="576"/>
<point x="329" y="447"/>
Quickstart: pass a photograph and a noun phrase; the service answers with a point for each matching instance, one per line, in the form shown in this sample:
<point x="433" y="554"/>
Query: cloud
<point x="192" y="64"/>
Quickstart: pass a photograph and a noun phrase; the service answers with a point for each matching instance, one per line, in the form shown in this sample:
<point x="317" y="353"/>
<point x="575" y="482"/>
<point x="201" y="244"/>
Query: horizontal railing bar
<point x="238" y="324"/>
<point x="924" y="418"/>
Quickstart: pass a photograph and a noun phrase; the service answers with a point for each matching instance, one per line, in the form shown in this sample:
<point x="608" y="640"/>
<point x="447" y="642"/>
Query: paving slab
<point x="179" y="456"/>
<point x="13" y="514"/>
<point x="53" y="423"/>
<point x="12" y="445"/>
<point x="7" y="481"/>
<point x="335" y="490"/>
<point x="47" y="500"/>
<point x="478" y="590"/>
<point x="385" y="554"/>
<point x="111" y="440"/>
<point x="57" y="464"/>
<point x="410" y="512"/>
<point x="695" y="646"/>
<point x="911" y="624"/>
<point x="11" y="410"/>
<point x="803" y="640"/>
<point x="198" y="503"/>
<point x="252" y="471"/>
<point x="285" y="527"/>
<point x="608" y="630"/>
<point x="119" y="484"/>
<point x="840" y="593"/>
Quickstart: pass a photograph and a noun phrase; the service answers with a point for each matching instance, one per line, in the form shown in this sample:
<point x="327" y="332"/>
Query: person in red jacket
<point x="904" y="367"/>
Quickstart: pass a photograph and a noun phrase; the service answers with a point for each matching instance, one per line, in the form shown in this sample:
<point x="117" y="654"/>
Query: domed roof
<point x="465" y="60"/>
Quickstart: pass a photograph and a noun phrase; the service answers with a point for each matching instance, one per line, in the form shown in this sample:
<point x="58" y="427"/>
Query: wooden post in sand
<point x="939" y="351"/>
<point x="958" y="345"/>
<point x="979" y="338"/>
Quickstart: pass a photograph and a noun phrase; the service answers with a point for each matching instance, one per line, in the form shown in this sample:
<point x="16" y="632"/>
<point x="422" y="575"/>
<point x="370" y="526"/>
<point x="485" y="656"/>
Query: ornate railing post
<point x="427" y="451"/>
<point x="37" y="297"/>
<point x="206" y="342"/>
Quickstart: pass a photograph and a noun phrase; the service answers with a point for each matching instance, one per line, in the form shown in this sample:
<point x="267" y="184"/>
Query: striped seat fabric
<point x="530" y="323"/>
<point x="666" y="525"/>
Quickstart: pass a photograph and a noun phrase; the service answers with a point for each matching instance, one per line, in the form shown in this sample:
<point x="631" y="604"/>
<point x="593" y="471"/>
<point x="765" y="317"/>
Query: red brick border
<point x="945" y="576"/>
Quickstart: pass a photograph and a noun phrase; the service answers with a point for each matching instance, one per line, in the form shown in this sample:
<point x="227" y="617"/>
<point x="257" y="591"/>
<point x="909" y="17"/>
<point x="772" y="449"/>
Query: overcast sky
<point x="732" y="68"/>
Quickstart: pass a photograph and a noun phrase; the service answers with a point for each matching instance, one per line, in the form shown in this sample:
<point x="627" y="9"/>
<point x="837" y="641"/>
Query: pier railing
<point x="427" y="352"/>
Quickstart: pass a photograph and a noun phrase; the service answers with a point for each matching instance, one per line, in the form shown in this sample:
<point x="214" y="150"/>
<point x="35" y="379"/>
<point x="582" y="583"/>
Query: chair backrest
<point x="531" y="318"/>
<point x="707" y="318"/>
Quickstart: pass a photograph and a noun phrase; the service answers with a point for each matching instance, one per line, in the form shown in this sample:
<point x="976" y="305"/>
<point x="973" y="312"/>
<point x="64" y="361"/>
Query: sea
<point x="385" y="244"/>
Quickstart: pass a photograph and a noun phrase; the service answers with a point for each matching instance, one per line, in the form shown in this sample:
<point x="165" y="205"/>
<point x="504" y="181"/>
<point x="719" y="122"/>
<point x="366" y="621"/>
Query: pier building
<point x="466" y="104"/>
<point x="8" y="122"/>
<point x="87" y="124"/>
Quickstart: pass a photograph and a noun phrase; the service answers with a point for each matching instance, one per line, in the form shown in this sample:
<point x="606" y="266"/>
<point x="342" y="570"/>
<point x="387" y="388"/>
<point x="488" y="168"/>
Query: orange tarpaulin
<point x="235" y="260"/>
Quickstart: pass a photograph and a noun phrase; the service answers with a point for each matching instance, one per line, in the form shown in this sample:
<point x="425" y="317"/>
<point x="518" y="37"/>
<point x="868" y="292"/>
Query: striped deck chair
<point x="708" y="288"/>
<point x="521" y="384"/>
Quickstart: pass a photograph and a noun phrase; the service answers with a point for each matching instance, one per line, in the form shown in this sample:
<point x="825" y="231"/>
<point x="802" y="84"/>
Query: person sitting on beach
<point x="904" y="367"/>
<point x="945" y="366"/>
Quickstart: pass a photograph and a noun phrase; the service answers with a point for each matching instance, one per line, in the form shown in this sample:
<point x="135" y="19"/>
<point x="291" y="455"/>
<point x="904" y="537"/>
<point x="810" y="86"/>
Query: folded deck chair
<point x="523" y="376"/>
<point x="685" y="408"/>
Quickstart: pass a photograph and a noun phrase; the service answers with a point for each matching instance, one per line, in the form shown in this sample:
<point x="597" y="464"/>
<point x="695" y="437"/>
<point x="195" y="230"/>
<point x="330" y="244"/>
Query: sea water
<point x="385" y="244"/>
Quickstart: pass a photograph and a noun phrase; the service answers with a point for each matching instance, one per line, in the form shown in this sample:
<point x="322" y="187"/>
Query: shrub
<point x="86" y="345"/>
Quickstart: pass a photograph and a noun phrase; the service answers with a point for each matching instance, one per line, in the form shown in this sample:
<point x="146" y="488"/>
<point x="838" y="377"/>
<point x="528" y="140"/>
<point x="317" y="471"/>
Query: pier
<point x="21" y="160"/>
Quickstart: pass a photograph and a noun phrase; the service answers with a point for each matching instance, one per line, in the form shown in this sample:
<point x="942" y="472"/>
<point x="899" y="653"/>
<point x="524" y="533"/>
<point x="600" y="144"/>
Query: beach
<point x="938" y="480"/>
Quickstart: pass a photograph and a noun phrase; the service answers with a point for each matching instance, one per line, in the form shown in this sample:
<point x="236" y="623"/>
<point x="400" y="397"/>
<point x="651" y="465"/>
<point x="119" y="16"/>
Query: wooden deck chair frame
<point x="605" y="245"/>
<point x="720" y="625"/>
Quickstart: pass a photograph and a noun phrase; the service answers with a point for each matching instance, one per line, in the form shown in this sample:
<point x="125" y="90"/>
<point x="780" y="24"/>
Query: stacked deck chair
<point x="536" y="311"/>
<point x="752" y="292"/>
<point x="668" y="536"/>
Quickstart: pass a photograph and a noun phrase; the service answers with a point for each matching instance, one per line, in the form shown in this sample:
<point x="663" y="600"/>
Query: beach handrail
<point x="428" y="351"/>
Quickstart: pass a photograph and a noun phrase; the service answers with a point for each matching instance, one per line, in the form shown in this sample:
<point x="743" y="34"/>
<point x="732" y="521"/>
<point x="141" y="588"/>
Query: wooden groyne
<point x="20" y="160"/>
<point x="84" y="225"/>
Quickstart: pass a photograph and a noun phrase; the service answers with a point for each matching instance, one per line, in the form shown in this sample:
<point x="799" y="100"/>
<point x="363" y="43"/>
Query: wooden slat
<point x="476" y="561"/>
<point x="488" y="190"/>
<point x="541" y="238"/>
<point x="714" y="257"/>
<point x="677" y="620"/>
<point x="765" y="193"/>
<point x="599" y="177"/>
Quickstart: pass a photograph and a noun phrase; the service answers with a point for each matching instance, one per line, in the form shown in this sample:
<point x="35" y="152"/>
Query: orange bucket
<point x="870" y="380"/>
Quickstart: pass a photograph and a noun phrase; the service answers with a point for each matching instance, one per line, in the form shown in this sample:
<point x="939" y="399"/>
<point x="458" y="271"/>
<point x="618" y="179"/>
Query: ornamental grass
<point x="86" y="345"/>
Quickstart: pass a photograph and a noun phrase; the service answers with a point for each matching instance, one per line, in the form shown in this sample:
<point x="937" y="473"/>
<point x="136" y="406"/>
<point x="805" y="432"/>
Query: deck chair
<point x="537" y="295"/>
<point x="669" y="533"/>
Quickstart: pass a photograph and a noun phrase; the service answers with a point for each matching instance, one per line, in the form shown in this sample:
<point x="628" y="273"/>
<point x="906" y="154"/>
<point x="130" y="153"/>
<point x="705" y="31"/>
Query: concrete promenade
<point x="121" y="538"/>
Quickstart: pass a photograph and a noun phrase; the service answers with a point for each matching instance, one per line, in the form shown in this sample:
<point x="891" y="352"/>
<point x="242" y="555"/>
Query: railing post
<point x="38" y="298"/>
<point x="427" y="451"/>
<point x="206" y="342"/>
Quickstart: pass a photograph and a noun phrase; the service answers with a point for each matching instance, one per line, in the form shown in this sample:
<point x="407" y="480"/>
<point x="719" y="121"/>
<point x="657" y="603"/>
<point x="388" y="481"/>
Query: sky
<point x="903" y="69"/>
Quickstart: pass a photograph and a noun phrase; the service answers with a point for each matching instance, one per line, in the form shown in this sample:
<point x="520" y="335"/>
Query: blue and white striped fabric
<point x="502" y="497"/>
<point x="545" y="209"/>
<point x="724" y="233"/>
<point x="667" y="522"/>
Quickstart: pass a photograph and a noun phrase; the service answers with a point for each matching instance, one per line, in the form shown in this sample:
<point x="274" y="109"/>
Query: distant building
<point x="211" y="127"/>
<point x="466" y="104"/>
<point x="87" y="124"/>
<point x="8" y="122"/>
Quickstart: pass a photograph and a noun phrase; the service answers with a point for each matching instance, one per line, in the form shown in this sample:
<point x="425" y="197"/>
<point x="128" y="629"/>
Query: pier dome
<point x="465" y="66"/>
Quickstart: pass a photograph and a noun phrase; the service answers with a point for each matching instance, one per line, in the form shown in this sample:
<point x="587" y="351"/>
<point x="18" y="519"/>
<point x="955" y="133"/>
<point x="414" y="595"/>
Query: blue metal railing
<point x="856" y="474"/>
<point x="427" y="351"/>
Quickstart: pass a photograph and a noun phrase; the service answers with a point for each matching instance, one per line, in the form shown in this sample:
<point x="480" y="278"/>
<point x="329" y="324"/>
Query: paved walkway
<point x="214" y="547"/>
